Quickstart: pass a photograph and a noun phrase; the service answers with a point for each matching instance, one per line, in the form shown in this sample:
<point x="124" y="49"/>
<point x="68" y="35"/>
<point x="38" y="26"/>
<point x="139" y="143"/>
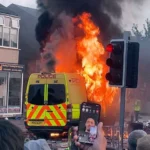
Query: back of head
<point x="135" y="126"/>
<point x="144" y="143"/>
<point x="133" y="137"/>
<point x="11" y="137"/>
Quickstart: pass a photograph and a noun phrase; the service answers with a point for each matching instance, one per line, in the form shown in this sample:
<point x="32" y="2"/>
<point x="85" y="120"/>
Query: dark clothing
<point x="136" y="115"/>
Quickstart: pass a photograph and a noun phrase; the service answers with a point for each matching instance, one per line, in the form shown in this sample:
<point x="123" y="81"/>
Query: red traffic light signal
<point x="109" y="48"/>
<point x="115" y="48"/>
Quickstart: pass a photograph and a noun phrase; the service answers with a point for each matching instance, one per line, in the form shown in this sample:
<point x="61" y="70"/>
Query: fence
<point x="112" y="134"/>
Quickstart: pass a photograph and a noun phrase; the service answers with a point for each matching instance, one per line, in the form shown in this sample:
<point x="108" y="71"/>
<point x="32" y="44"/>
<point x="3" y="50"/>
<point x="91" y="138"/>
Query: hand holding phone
<point x="100" y="143"/>
<point x="89" y="119"/>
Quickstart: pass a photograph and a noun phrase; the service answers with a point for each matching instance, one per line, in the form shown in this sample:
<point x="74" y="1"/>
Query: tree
<point x="136" y="31"/>
<point x="147" y="28"/>
<point x="145" y="33"/>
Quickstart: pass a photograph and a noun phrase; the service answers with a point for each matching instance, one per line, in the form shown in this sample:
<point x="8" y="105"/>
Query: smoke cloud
<point x="101" y="11"/>
<point x="55" y="24"/>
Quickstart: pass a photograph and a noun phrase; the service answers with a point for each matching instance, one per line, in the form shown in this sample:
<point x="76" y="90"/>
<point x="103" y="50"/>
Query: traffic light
<point x="132" y="65"/>
<point x="123" y="57"/>
<point x="116" y="62"/>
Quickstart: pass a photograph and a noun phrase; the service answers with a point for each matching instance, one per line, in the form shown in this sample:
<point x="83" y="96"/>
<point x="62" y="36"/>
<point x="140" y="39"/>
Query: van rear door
<point x="56" y="107"/>
<point x="35" y="101"/>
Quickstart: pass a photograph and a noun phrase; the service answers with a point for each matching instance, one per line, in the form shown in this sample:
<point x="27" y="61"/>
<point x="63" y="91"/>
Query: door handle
<point x="49" y="111"/>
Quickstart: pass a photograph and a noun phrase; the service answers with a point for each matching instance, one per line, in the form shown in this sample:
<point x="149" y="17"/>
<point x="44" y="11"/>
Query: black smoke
<point x="102" y="13"/>
<point x="42" y="30"/>
<point x="98" y="9"/>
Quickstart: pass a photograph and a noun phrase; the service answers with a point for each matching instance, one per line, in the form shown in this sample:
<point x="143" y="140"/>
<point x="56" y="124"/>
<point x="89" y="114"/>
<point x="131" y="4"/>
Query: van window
<point x="56" y="94"/>
<point x="36" y="94"/>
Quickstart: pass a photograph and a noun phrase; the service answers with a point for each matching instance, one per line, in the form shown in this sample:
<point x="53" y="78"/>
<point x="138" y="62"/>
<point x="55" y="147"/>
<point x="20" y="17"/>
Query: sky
<point x="132" y="13"/>
<point x="27" y="3"/>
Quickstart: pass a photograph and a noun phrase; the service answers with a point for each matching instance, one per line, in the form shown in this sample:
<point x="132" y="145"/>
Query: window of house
<point x="9" y="31"/>
<point x="13" y="37"/>
<point x="15" y="89"/>
<point x="1" y="35"/>
<point x="3" y="89"/>
<point x="6" y="37"/>
<point x="8" y="22"/>
<point x="15" y="23"/>
<point x="1" y="20"/>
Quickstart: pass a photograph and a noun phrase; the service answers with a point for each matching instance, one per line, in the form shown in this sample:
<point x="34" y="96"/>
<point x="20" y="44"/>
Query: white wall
<point x="8" y="55"/>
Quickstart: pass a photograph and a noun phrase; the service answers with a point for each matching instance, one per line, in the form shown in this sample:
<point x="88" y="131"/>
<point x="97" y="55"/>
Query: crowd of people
<point x="12" y="138"/>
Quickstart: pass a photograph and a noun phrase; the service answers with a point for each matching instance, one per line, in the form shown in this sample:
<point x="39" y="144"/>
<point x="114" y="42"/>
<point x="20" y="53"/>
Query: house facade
<point x="11" y="73"/>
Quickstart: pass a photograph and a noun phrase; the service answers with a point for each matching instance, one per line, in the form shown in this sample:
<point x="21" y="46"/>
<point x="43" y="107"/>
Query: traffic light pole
<point x="123" y="71"/>
<point x="122" y="115"/>
<point x="123" y="93"/>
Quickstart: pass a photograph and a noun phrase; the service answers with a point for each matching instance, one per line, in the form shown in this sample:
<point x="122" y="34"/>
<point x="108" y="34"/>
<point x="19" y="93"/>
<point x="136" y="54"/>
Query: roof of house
<point x="6" y="10"/>
<point x="31" y="11"/>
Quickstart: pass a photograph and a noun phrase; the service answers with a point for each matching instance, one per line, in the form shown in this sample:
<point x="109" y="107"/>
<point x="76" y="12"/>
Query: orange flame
<point x="92" y="55"/>
<point x="93" y="63"/>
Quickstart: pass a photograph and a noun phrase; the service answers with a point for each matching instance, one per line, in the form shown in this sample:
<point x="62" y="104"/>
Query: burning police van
<point x="53" y="101"/>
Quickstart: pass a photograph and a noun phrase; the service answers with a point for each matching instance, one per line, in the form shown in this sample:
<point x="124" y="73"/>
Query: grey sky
<point x="28" y="3"/>
<point x="132" y="13"/>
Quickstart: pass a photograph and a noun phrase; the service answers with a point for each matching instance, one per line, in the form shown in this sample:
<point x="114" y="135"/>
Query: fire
<point x="92" y="53"/>
<point x="90" y="49"/>
<point x="84" y="55"/>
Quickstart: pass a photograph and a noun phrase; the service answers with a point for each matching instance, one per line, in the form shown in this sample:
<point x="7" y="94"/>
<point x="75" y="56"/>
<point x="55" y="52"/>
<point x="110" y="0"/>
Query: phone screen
<point x="89" y="119"/>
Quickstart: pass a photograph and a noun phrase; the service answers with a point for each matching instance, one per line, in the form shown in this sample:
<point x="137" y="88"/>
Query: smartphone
<point x="88" y="122"/>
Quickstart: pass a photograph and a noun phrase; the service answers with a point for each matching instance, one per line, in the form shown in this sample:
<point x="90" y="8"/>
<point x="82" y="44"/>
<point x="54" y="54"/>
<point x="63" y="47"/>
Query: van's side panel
<point x="77" y="93"/>
<point x="77" y="90"/>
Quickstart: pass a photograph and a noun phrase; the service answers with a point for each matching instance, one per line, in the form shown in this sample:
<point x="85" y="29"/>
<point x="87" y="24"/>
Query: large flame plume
<point x="92" y="53"/>
<point x="84" y="54"/>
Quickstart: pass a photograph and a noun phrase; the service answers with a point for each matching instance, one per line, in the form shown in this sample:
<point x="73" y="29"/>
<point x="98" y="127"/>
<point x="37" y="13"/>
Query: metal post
<point x="122" y="115"/>
<point x="123" y="92"/>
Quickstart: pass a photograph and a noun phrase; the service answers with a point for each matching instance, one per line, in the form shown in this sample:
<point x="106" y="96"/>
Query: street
<point x="75" y="63"/>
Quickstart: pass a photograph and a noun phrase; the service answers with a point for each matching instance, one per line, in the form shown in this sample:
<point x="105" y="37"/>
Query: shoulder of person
<point x="40" y="144"/>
